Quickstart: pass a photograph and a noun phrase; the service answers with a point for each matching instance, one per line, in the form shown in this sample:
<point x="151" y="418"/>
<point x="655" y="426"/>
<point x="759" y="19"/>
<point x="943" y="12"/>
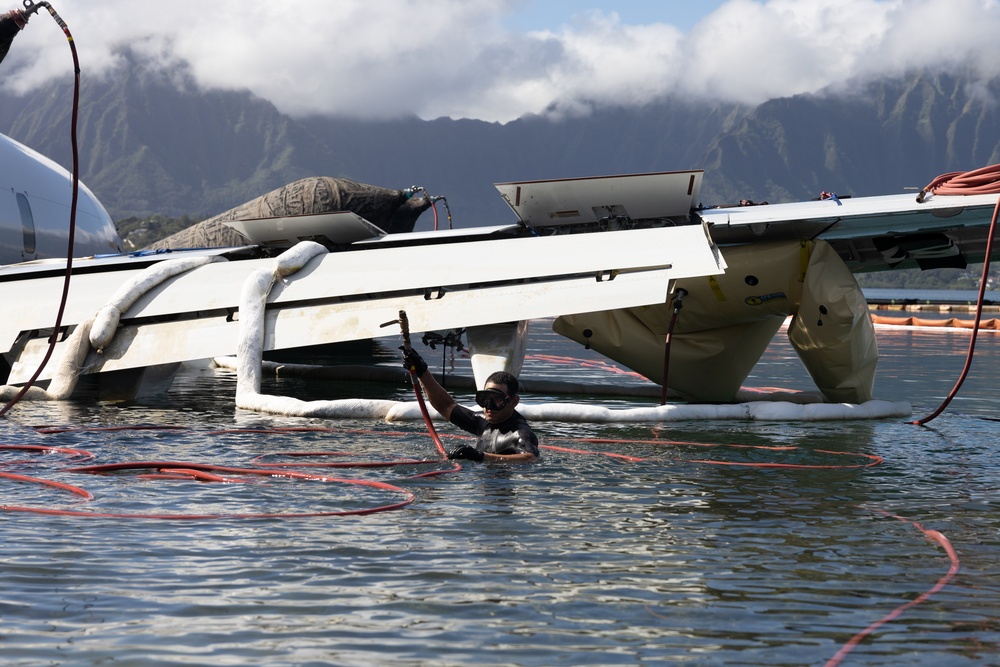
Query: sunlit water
<point x="578" y="559"/>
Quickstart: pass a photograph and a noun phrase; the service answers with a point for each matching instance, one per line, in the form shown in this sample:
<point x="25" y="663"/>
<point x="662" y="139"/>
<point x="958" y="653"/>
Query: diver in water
<point x="502" y="434"/>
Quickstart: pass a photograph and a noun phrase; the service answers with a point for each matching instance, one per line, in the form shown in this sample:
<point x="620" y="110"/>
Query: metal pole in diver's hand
<point x="404" y="326"/>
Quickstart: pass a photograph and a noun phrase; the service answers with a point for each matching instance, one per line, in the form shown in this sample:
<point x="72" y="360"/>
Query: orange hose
<point x="933" y="535"/>
<point x="982" y="181"/>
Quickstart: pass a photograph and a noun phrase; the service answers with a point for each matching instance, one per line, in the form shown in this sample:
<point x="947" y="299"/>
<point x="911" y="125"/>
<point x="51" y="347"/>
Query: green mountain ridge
<point x="154" y="144"/>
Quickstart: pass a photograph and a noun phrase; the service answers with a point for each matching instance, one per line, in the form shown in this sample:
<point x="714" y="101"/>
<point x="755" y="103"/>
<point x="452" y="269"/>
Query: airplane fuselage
<point x="35" y="201"/>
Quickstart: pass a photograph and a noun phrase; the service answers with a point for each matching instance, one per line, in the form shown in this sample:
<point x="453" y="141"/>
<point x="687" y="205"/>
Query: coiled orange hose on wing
<point x="982" y="181"/>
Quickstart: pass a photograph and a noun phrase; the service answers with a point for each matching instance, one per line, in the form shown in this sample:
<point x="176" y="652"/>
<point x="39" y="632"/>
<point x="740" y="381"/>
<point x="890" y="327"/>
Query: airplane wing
<point x="869" y="233"/>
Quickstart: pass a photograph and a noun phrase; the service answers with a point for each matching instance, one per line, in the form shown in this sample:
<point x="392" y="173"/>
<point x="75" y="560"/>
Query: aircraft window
<point x="27" y="224"/>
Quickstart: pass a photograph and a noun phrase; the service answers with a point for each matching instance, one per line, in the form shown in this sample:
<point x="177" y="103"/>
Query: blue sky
<point x="497" y="60"/>
<point x="551" y="14"/>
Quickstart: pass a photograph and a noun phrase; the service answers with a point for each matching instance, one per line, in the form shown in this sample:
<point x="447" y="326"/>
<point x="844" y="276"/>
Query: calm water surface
<point x="579" y="559"/>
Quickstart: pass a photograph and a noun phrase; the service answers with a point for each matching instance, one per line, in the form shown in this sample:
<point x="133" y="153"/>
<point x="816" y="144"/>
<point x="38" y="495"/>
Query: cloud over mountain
<point x="456" y="58"/>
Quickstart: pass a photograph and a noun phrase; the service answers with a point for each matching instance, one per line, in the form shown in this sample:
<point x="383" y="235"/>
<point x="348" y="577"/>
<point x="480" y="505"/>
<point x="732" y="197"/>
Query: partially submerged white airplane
<point x="186" y="305"/>
<point x="610" y="258"/>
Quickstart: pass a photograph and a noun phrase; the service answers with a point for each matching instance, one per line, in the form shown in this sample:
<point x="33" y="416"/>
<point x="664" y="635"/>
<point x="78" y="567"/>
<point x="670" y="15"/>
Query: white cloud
<point x="379" y="58"/>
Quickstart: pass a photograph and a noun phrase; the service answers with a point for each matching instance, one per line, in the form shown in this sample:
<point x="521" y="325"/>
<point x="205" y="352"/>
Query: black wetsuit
<point x="513" y="436"/>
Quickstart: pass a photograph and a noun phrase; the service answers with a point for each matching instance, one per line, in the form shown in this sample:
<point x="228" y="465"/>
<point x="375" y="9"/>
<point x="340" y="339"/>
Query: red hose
<point x="70" y="241"/>
<point x="49" y="430"/>
<point x="202" y="475"/>
<point x="209" y="473"/>
<point x="873" y="460"/>
<point x="941" y="583"/>
<point x="205" y="472"/>
<point x="338" y="464"/>
<point x="678" y="303"/>
<point x="404" y="328"/>
<point x="86" y="495"/>
<point x="81" y="454"/>
<point x="426" y="415"/>
<point x="980" y="181"/>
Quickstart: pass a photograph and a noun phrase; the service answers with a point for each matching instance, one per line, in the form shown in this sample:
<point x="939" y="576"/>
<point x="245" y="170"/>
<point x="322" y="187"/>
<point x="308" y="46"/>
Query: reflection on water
<point x="577" y="559"/>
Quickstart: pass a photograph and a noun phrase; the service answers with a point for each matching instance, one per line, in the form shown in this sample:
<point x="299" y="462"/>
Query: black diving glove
<point x="413" y="362"/>
<point x="467" y="452"/>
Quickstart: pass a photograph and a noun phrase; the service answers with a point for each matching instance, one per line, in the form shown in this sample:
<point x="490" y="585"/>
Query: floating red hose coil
<point x="208" y="473"/>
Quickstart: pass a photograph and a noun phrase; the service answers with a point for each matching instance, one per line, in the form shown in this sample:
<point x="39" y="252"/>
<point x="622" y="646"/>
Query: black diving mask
<point x="492" y="399"/>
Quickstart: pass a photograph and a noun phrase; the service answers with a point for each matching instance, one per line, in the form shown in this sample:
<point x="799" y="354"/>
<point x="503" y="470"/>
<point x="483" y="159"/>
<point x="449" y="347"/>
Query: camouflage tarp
<point x="390" y="210"/>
